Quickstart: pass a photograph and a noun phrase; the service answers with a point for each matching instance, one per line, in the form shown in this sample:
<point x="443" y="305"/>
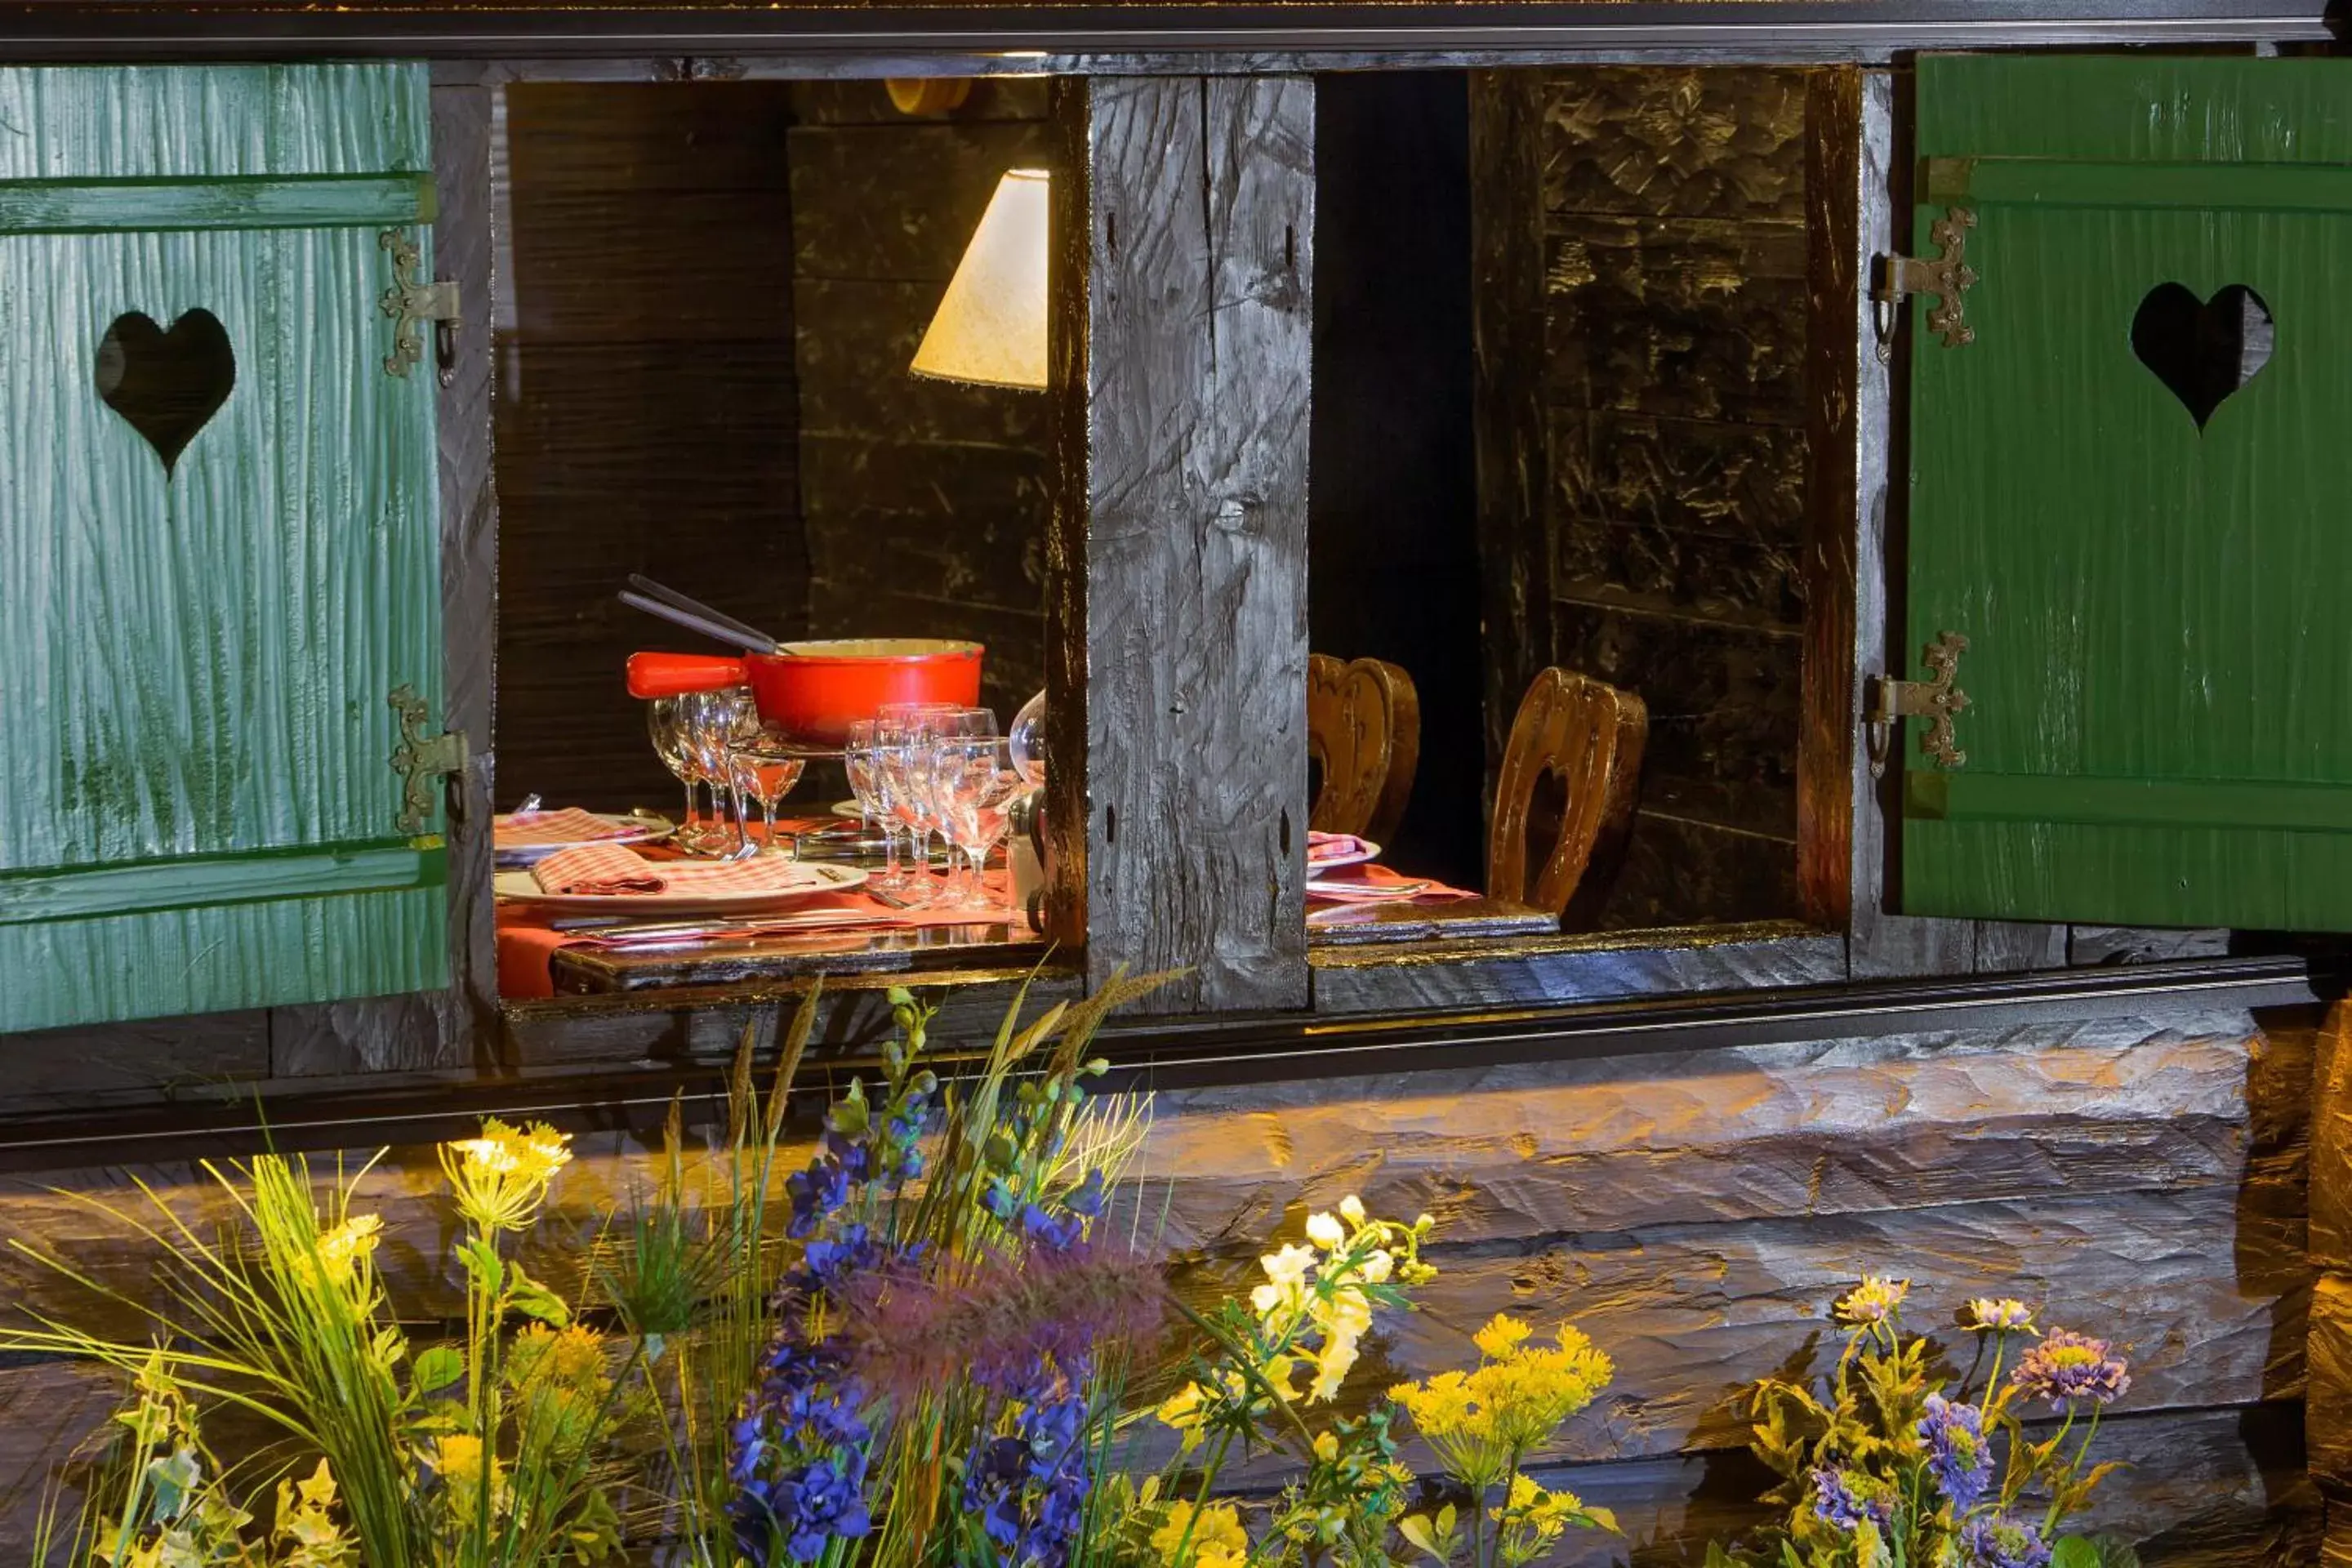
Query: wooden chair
<point x="1589" y="735"/>
<point x="1364" y="731"/>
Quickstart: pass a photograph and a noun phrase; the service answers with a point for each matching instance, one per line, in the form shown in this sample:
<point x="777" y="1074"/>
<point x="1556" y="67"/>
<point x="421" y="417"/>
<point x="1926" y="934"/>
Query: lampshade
<point x="991" y="326"/>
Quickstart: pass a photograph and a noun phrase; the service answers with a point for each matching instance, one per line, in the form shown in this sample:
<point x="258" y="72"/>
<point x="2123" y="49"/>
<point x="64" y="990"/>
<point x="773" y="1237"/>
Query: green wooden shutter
<point x="2159" y="661"/>
<point x="197" y="806"/>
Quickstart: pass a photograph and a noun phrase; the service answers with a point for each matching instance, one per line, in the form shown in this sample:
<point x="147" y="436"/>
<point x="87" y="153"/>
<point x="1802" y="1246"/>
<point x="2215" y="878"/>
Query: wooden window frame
<point x="1847" y="937"/>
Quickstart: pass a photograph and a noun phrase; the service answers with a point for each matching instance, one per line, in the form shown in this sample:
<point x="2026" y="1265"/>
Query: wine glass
<point x="762" y="767"/>
<point x="862" y="758"/>
<point x="974" y="784"/>
<point x="911" y="731"/>
<point x="714" y="722"/>
<point x="666" y="728"/>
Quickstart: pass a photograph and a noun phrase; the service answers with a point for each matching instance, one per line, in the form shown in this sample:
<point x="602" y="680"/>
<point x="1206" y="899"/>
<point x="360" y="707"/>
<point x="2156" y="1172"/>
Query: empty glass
<point x="973" y="784"/>
<point x="1028" y="738"/>
<point x="710" y="722"/>
<point x="666" y="729"/>
<point x="870" y="780"/>
<point x="761" y="767"/>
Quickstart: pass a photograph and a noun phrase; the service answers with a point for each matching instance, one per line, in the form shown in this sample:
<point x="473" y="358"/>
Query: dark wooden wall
<point x="925" y="501"/>
<point x="646" y="412"/>
<point x="1643" y="473"/>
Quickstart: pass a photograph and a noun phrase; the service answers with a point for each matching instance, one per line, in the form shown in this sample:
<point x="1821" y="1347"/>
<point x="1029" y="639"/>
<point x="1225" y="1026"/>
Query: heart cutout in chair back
<point x="166" y="384"/>
<point x="2204" y="350"/>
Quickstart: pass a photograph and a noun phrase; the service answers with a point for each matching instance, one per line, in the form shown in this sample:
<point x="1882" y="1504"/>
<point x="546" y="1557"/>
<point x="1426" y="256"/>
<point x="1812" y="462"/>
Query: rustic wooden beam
<point x="1187" y="532"/>
<point x="1513" y="426"/>
<point x="441" y="1029"/>
<point x="1836" y="342"/>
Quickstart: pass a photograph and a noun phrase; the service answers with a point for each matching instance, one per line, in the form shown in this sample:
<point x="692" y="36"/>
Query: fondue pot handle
<point x="671" y="674"/>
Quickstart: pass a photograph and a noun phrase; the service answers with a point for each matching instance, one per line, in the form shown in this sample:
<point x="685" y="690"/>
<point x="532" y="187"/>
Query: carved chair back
<point x="1589" y="735"/>
<point x="1364" y="731"/>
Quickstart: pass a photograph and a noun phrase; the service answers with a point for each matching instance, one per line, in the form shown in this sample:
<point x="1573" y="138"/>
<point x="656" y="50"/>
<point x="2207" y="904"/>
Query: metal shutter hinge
<point x="1947" y="277"/>
<point x="421" y="757"/>
<point x="410" y="304"/>
<point x="1937" y="702"/>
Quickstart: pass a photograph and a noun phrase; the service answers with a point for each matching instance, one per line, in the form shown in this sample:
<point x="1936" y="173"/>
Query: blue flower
<point x="1086" y="1197"/>
<point x="1845" y="1497"/>
<point x="2002" y="1542"/>
<point x="1958" y="1458"/>
<point x="1029" y="1487"/>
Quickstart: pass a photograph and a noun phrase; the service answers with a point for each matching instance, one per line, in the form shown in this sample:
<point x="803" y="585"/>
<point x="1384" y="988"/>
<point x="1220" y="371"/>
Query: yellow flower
<point x="1500" y="1337"/>
<point x="1873" y="1302"/>
<point x="1325" y="1232"/>
<point x="457" y="1458"/>
<point x="500" y="1177"/>
<point x="1327" y="1447"/>
<point x="1351" y="1209"/>
<point x="344" y="1248"/>
<point x="1216" y="1539"/>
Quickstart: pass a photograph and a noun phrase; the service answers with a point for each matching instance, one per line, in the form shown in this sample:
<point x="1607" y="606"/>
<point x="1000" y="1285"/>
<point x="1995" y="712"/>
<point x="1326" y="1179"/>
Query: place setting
<point x="924" y="840"/>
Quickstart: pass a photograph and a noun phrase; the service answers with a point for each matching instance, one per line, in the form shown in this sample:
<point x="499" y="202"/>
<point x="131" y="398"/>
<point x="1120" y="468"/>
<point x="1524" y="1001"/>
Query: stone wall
<point x="1696" y="1213"/>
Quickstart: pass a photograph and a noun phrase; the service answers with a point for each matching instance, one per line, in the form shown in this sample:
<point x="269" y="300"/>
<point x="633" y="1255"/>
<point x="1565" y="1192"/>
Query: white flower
<point x="1325" y="1232"/>
<point x="1351" y="1209"/>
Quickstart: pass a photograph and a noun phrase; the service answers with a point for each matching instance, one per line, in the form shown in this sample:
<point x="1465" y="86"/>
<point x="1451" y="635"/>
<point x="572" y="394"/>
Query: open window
<point x="709" y="298"/>
<point x="2129" y="668"/>
<point x="1559" y="495"/>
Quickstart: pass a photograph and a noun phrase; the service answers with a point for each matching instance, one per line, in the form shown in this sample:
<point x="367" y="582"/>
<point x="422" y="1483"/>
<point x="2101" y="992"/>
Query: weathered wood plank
<point x="2141" y="944"/>
<point x="1195" y="535"/>
<point x="61" y="1069"/>
<point x="2328" y="1430"/>
<point x="1883" y="943"/>
<point x="1682" y="869"/>
<point x="1574" y="969"/>
<point x="1831" y="708"/>
<point x="2331" y="1143"/>
<point x="2004" y="946"/>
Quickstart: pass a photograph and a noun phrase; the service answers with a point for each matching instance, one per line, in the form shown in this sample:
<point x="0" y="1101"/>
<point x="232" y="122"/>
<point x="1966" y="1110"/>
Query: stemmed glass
<point x="870" y="780"/>
<point x="711" y="722"/>
<point x="665" y="727"/>
<point x="974" y="782"/>
<point x="908" y="735"/>
<point x="761" y="767"/>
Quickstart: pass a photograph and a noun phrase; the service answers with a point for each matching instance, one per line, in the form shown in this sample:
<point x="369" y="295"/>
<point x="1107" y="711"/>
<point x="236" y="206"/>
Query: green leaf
<point x="533" y="1300"/>
<point x="438" y="1369"/>
<point x="482" y="1262"/>
<point x="2074" y="1551"/>
<point x="2115" y="1551"/>
<point x="1603" y="1517"/>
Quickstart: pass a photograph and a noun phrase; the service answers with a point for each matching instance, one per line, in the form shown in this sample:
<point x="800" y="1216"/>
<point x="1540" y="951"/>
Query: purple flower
<point x="2066" y="1367"/>
<point x="1958" y="1458"/>
<point x="1845" y="1497"/>
<point x="1029" y="1488"/>
<point x="2002" y="1542"/>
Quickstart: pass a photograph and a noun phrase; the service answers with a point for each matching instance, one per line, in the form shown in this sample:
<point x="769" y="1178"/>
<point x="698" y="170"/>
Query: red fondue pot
<point x="812" y="693"/>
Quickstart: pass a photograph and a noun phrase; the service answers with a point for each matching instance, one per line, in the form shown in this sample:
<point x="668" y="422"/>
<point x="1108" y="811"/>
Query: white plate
<point x="848" y="808"/>
<point x="641" y="827"/>
<point x="1367" y="850"/>
<point x="820" y="877"/>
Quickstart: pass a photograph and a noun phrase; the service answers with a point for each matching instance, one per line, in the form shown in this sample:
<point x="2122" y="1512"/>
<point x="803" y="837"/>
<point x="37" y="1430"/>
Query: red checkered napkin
<point x="760" y="874"/>
<point x="533" y="830"/>
<point x="598" y="870"/>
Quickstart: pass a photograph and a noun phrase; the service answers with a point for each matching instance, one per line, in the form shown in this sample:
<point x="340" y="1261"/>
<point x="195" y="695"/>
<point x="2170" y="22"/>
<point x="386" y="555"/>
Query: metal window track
<point x="1193" y="1055"/>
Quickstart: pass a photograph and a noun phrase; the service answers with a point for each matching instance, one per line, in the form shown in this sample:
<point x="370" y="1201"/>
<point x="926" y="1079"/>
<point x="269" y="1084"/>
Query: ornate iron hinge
<point x="421" y="757"/>
<point x="410" y="304"/>
<point x="1947" y="277"/>
<point x="1937" y="702"/>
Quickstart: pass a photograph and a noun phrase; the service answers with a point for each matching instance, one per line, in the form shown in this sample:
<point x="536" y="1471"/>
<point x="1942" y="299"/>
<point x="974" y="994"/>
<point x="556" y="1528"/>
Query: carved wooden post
<point x="1178" y="623"/>
<point x="2328" y="1392"/>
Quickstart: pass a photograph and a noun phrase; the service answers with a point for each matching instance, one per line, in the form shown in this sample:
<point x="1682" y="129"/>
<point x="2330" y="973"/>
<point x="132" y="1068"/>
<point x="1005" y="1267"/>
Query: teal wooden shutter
<point x="197" y="806"/>
<point x="2158" y="663"/>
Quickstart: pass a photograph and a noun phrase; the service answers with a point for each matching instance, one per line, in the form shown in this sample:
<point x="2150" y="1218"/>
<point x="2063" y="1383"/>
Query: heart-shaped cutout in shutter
<point x="166" y="384"/>
<point x="2204" y="350"/>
